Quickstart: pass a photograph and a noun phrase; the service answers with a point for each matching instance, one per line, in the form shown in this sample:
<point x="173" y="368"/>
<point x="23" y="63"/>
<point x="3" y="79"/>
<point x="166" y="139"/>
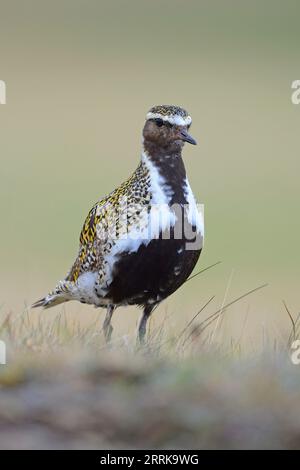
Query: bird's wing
<point x="93" y="239"/>
<point x="108" y="221"/>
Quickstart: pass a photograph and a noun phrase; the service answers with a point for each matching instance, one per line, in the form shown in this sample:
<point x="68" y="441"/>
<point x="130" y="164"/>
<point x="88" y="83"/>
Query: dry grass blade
<point x="194" y="317"/>
<point x="235" y="301"/>
<point x="6" y="325"/>
<point x="209" y="320"/>
<point x="293" y="332"/>
<point x="203" y="270"/>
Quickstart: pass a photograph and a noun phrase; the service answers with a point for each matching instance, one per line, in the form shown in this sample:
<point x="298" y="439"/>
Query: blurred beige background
<point x="80" y="78"/>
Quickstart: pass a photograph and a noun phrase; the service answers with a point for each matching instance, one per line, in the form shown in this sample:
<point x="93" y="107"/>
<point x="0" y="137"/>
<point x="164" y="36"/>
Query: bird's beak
<point x="186" y="137"/>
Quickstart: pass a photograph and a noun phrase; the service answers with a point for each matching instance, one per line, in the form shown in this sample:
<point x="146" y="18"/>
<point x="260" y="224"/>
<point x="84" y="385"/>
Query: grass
<point x="64" y="387"/>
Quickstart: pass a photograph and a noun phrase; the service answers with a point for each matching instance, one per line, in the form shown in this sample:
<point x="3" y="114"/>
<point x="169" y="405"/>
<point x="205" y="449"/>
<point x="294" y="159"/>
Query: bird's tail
<point x="62" y="293"/>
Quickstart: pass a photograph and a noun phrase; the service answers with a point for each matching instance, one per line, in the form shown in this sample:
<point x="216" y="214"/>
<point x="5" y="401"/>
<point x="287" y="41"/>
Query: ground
<point x="64" y="388"/>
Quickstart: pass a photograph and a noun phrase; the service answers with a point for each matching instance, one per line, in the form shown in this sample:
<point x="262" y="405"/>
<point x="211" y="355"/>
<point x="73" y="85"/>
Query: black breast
<point x="159" y="268"/>
<point x="152" y="273"/>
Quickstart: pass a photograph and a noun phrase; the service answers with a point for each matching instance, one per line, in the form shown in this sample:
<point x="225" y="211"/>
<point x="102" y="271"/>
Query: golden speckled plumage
<point x="169" y="110"/>
<point x="105" y="216"/>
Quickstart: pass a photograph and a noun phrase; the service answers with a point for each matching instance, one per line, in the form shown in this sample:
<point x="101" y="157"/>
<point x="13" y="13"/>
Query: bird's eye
<point x="159" y="122"/>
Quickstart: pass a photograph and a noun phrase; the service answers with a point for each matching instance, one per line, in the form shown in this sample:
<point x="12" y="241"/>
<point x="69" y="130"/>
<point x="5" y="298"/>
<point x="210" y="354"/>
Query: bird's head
<point x="167" y="128"/>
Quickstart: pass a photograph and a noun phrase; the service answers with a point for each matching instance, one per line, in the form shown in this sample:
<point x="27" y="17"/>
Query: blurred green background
<point x="80" y="78"/>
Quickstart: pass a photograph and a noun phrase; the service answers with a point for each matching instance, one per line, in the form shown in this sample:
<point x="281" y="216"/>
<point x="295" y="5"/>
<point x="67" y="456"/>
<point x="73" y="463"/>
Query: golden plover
<point x="140" y="243"/>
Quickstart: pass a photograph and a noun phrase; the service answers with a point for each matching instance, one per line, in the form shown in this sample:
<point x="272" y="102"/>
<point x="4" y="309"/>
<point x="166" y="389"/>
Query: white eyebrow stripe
<point x="175" y="119"/>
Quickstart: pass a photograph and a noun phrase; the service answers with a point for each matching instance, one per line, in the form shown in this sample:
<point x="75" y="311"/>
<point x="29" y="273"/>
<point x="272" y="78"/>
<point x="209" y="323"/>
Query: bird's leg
<point x="143" y="323"/>
<point x="107" y="327"/>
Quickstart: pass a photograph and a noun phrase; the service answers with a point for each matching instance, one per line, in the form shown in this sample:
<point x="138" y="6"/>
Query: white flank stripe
<point x="195" y="216"/>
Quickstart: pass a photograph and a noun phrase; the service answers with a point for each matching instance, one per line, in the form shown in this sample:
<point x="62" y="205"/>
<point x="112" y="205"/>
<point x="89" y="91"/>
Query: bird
<point x="141" y="242"/>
